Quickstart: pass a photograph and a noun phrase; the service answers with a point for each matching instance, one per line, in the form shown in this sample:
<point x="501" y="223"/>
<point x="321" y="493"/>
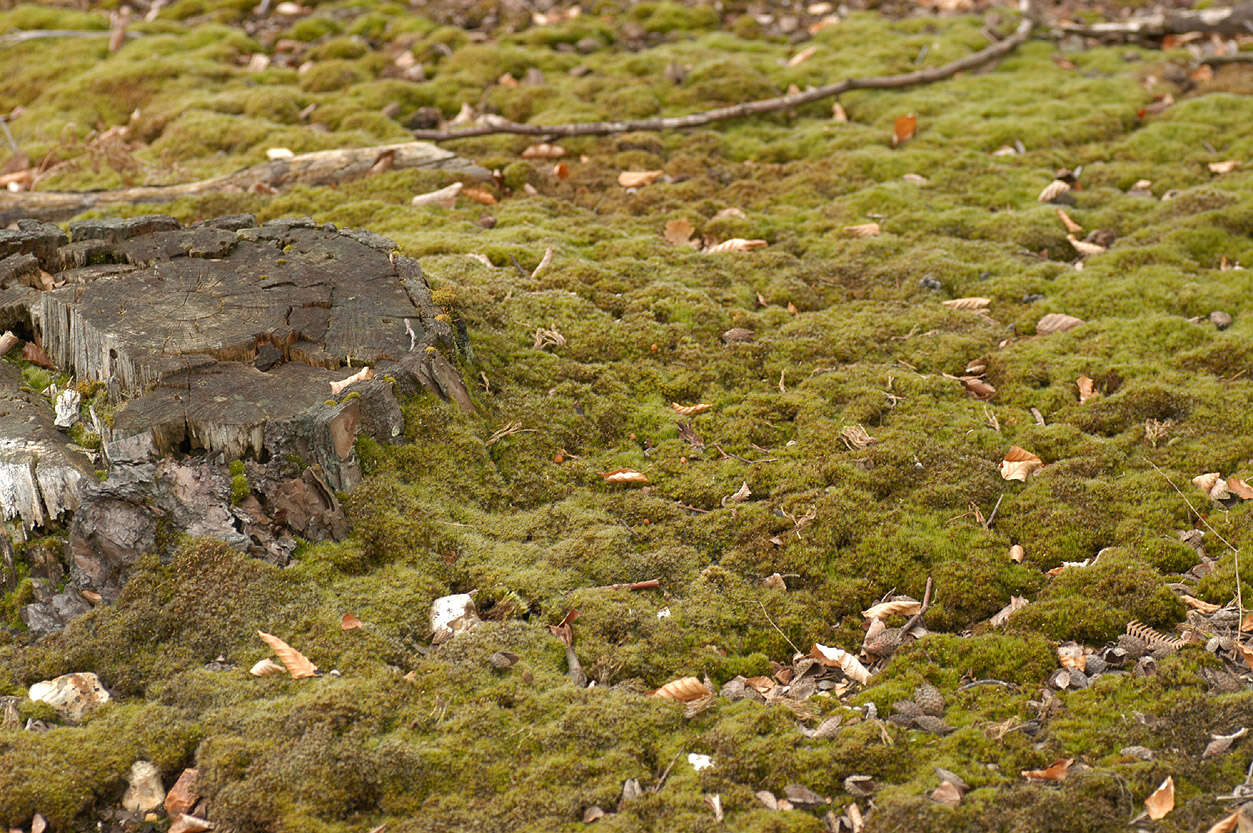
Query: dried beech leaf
<point x="1087" y="388"/>
<point x="736" y="244"/>
<point x="1224" y="167"/>
<point x="843" y="660"/>
<point x="350" y="622"/>
<point x="976" y="387"/>
<point x="896" y="607"/>
<point x="1083" y="247"/>
<point x="1246" y="654"/>
<point x="1071" y="655"/>
<point x="679" y="232"/>
<point x="856" y="437"/>
<point x="1213" y="485"/>
<point x="904" y="128"/>
<point x="947" y="793"/>
<point x="544" y="151"/>
<point x="967" y="303"/>
<point x="1017" y="553"/>
<point x="1055" y="771"/>
<point x="802" y="56"/>
<point x="479" y="196"/>
<point x="560" y="170"/>
<point x="624" y="476"/>
<point x="1071" y="225"/>
<point x="1239" y="488"/>
<point x="297" y="664"/>
<point x="689" y="410"/>
<point x="1016" y="603"/>
<point x="1162" y="801"/>
<point x="1056" y="322"/>
<point x="741" y="494"/>
<point x="1019" y="464"/>
<point x="444" y="197"/>
<point x="637" y="179"/>
<point x="864" y="230"/>
<point x="1053" y="190"/>
<point x="1227" y="824"/>
<point x="775" y="581"/>
<point x="1221" y="743"/>
<point x="684" y="689"/>
<point x="266" y="668"/>
<point x="729" y="212"/>
<point x="1198" y="604"/>
<point x="760" y="684"/>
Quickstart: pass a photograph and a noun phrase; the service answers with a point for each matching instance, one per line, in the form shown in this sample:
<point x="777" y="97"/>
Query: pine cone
<point x="929" y="699"/>
<point x="934" y="725"/>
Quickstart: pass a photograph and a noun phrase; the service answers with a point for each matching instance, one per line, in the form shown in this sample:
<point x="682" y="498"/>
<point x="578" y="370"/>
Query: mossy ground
<point x="527" y="520"/>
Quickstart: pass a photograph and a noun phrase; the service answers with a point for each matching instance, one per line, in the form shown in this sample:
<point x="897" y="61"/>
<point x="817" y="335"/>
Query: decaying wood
<point x="750" y="108"/>
<point x="324" y="167"/>
<point x="1236" y="20"/>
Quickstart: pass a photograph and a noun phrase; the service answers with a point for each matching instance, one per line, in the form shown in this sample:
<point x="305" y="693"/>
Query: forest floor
<point x="842" y="460"/>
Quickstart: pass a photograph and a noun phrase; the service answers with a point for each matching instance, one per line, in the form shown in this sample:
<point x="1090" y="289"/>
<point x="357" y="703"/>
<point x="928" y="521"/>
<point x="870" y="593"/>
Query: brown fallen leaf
<point x="1224" y="167"/>
<point x="1071" y="655"/>
<point x="561" y="171"/>
<point x="896" y="607"/>
<point x="856" y="437"/>
<point x="349" y="622"/>
<point x="544" y="151"/>
<point x="266" y="668"/>
<point x="1055" y="771"/>
<point x="1239" y="488"/>
<point x="841" y="659"/>
<point x="864" y="230"/>
<point x="1162" y="801"/>
<point x="684" y="689"/>
<point x="1053" y="190"/>
<point x="838" y="113"/>
<point x="1221" y="743"/>
<point x="1213" y="485"/>
<point x="903" y="129"/>
<point x="760" y="684"/>
<point x="775" y="581"/>
<point x="479" y="196"/>
<point x="1016" y="603"/>
<point x="967" y="303"/>
<point x="1017" y="553"/>
<point x="802" y="56"/>
<point x="1246" y="654"/>
<point x="689" y="410"/>
<point x="679" y="233"/>
<point x="1087" y="388"/>
<point x="1056" y="322"/>
<point x="976" y="387"/>
<point x="947" y="793"/>
<point x="1083" y="247"/>
<point x="637" y="179"/>
<point x="1019" y="464"/>
<point x="1071" y="225"/>
<point x="736" y="244"/>
<point x="34" y="354"/>
<point x="624" y="476"/>
<point x="1227" y="824"/>
<point x="1198" y="604"/>
<point x="297" y="664"/>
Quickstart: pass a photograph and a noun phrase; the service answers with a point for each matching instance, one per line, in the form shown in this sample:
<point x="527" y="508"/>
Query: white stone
<point x="67" y="404"/>
<point x="450" y="615"/>
<point x="72" y="695"/>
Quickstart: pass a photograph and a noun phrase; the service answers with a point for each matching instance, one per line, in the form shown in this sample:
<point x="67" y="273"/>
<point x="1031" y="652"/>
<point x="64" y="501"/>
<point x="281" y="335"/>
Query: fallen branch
<point x="565" y="633"/>
<point x="324" y="167"/>
<point x="11" y="38"/>
<point x="1238" y="58"/>
<point x="650" y="584"/>
<point x="1237" y="20"/>
<point x="750" y="108"/>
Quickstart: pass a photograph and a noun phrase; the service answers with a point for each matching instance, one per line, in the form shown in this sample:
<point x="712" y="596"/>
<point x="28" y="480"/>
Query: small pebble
<point x="930" y="282"/>
<point x="487" y="221"/>
<point x="1032" y="298"/>
<point x="1220" y="319"/>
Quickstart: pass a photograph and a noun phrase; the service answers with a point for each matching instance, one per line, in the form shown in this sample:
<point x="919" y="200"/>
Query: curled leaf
<point x="1087" y="388"/>
<point x="736" y="244"/>
<point x="1055" y="771"/>
<point x="1213" y="485"/>
<point x="296" y="663"/>
<point x="864" y="230"/>
<point x="624" y="476"/>
<point x="1162" y="801"/>
<point x="1017" y="553"/>
<point x="637" y="179"/>
<point x="1053" y="190"/>
<point x="895" y="607"/>
<point x="1083" y="247"/>
<point x="903" y="129"/>
<point x="1224" y="167"/>
<point x="479" y="196"/>
<point x="802" y="56"/>
<point x="1071" y="225"/>
<point x="1016" y="603"/>
<point x="266" y="668"/>
<point x="679" y="232"/>
<point x="349" y="622"/>
<point x="976" y="387"/>
<point x="544" y="151"/>
<point x="1071" y="655"/>
<point x="1019" y="464"/>
<point x="444" y="197"/>
<point x="1239" y="488"/>
<point x="839" y="658"/>
<point x="967" y="303"/>
<point x="690" y="410"/>
<point x="684" y="689"/>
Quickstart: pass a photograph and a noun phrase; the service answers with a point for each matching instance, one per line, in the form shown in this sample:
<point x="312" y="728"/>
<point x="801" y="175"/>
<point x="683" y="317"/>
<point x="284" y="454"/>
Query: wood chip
<point x="637" y="179"/>
<point x="1087" y="388"/>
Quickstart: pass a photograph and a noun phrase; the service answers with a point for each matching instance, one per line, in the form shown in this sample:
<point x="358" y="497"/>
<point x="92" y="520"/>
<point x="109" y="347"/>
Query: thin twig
<point x="1235" y="551"/>
<point x="661" y="782"/>
<point x="776" y="627"/>
<point x="749" y="108"/>
<point x="988" y="523"/>
<point x="922" y="610"/>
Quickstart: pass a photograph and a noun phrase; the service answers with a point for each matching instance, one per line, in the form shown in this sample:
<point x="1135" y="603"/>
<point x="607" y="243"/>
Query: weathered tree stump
<point x="218" y="342"/>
